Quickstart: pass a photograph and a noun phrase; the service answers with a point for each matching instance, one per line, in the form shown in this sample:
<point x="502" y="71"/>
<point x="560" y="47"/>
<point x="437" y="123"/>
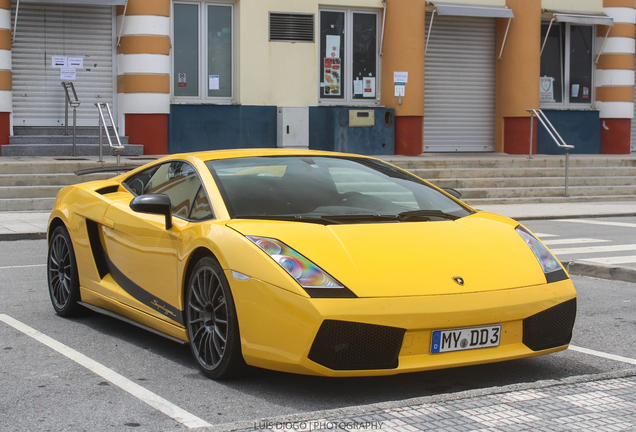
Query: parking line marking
<point x="602" y="354"/>
<point x="542" y="235"/>
<point x="23" y="266"/>
<point x="594" y="249"/>
<point x="593" y="222"/>
<point x="152" y="399"/>
<point x="630" y="259"/>
<point x="573" y="241"/>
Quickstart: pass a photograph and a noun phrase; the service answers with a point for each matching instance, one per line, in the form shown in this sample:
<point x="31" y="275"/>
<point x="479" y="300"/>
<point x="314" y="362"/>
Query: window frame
<point x="348" y="99"/>
<point x="565" y="61"/>
<point x="202" y="97"/>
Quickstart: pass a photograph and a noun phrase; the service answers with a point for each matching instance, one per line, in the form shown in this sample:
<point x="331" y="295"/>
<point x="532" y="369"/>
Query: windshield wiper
<point x="294" y="218"/>
<point x="425" y="214"/>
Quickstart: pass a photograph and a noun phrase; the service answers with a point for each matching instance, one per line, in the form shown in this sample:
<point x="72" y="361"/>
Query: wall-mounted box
<point x="361" y="118"/>
<point x="292" y="127"/>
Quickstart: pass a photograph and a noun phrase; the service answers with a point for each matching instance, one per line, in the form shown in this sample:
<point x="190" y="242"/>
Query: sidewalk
<point x="601" y="402"/>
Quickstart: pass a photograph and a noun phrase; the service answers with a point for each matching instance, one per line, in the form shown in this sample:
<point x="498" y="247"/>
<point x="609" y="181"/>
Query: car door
<point x="143" y="253"/>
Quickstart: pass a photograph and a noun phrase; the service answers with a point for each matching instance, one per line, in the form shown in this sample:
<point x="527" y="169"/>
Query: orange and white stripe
<point x="143" y="58"/>
<point x="615" y="69"/>
<point x="5" y="56"/>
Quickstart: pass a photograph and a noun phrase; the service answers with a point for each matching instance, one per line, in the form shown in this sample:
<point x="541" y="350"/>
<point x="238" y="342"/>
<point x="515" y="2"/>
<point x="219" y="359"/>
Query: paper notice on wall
<point x="369" y="87"/>
<point x="357" y="87"/>
<point x="547" y="89"/>
<point x="575" y="91"/>
<point x="332" y="72"/>
<point x="333" y="46"/>
<point x="58" y="62"/>
<point x="400" y="77"/>
<point x="399" y="89"/>
<point x="75" y="62"/>
<point x="68" y="74"/>
<point x="213" y="82"/>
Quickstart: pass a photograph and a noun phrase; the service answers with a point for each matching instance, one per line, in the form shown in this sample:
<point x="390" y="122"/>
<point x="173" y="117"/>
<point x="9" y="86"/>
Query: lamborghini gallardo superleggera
<point x="306" y="262"/>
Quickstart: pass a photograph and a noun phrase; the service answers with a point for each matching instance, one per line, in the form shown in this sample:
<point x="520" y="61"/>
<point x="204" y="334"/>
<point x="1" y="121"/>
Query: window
<point x="349" y="60"/>
<point x="203" y="52"/>
<point x="178" y="180"/>
<point x="567" y="64"/>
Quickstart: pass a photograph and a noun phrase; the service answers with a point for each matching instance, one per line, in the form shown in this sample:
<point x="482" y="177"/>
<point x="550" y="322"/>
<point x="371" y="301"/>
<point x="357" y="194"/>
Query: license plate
<point x="465" y="339"/>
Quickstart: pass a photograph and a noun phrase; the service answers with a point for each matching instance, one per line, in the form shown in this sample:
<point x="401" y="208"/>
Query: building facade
<point x="360" y="76"/>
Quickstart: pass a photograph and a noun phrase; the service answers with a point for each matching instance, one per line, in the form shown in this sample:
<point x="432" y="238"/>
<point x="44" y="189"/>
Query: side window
<point x="178" y="180"/>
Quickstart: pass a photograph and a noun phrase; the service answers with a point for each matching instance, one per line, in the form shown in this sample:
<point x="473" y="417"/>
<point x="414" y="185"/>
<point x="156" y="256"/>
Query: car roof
<point x="243" y="153"/>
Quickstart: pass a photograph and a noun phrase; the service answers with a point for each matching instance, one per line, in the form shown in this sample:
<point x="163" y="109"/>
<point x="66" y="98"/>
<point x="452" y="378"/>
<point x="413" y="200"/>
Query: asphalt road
<point x="43" y="390"/>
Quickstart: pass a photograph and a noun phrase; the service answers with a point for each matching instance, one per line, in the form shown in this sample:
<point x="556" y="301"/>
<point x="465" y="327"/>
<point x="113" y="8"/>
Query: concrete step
<point x="56" y="130"/>
<point x="56" y="179"/>
<point x="515" y="192"/>
<point x="66" y="150"/>
<point x="26" y="204"/>
<point x="62" y="139"/>
<point x="476" y="202"/>
<point x="526" y="182"/>
<point x="42" y="191"/>
<point x="510" y="162"/>
<point x="61" y="164"/>
<point x="594" y="171"/>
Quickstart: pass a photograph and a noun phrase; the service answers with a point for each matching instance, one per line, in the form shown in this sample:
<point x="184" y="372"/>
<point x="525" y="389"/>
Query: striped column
<point x="615" y="76"/>
<point x="143" y="73"/>
<point x="5" y="71"/>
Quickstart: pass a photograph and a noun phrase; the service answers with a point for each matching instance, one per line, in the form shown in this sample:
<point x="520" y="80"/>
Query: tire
<point x="213" y="331"/>
<point x="61" y="269"/>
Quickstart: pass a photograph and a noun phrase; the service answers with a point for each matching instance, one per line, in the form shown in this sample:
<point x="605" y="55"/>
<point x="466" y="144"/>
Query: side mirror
<point x="153" y="204"/>
<point x="452" y="192"/>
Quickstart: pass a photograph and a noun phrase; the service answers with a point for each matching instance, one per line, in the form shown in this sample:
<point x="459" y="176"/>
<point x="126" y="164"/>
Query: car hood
<point x="413" y="258"/>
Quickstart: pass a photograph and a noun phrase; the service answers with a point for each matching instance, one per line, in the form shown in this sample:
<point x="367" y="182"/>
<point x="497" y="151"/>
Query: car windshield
<point x="327" y="190"/>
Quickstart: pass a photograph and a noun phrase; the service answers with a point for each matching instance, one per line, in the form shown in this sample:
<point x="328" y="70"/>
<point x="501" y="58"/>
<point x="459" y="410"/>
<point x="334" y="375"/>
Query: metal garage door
<point x="459" y="96"/>
<point x="47" y="30"/>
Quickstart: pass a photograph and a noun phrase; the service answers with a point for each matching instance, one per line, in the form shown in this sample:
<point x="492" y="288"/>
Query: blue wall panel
<point x="213" y="127"/>
<point x="329" y="130"/>
<point x="582" y="129"/>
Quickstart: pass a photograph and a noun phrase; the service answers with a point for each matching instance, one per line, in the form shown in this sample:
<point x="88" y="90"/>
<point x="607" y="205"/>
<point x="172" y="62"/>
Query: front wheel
<point x="211" y="321"/>
<point x="62" y="274"/>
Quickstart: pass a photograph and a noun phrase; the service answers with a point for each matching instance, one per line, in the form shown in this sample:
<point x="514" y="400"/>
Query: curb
<point x="370" y="408"/>
<point x="601" y="271"/>
<point x="577" y="216"/>
<point x="22" y="236"/>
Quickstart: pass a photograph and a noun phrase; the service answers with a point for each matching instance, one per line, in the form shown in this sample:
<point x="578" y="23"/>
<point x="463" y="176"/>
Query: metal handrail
<point x="74" y="102"/>
<point x="104" y="127"/>
<point x="552" y="131"/>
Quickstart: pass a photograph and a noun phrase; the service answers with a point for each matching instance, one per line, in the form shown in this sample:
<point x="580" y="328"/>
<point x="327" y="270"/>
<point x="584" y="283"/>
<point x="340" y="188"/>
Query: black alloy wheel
<point x="212" y="324"/>
<point x="62" y="274"/>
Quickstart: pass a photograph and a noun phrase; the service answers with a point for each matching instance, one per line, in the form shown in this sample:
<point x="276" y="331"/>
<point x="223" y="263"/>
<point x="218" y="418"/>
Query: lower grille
<point x="344" y="345"/>
<point x="550" y="328"/>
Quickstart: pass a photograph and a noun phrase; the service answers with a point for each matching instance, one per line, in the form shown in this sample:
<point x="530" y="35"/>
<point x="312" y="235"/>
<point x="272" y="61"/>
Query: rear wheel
<point x="212" y="324"/>
<point x="62" y="274"/>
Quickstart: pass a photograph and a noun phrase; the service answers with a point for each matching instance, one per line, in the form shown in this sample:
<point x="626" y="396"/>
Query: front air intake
<point x="344" y="345"/>
<point x="550" y="328"/>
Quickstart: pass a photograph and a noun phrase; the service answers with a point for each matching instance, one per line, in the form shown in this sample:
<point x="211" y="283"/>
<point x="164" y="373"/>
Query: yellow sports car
<point x="307" y="262"/>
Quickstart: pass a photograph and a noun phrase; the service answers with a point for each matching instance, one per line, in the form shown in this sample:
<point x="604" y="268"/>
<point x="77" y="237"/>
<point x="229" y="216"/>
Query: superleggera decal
<point x="142" y="295"/>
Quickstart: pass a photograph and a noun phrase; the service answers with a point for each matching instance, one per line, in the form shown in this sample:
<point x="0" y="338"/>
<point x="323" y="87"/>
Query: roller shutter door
<point x="46" y="30"/>
<point x="459" y="96"/>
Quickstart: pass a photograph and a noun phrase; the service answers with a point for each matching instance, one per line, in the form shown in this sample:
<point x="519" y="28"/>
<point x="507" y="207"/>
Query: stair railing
<point x="554" y="134"/>
<point x="101" y="106"/>
<point x="73" y="101"/>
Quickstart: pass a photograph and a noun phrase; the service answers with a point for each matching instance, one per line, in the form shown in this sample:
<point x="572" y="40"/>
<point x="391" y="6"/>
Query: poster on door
<point x="333" y="76"/>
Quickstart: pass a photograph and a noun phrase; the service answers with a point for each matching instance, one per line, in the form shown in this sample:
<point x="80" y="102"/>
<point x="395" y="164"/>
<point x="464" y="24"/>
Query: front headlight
<point x="313" y="279"/>
<point x="550" y="265"/>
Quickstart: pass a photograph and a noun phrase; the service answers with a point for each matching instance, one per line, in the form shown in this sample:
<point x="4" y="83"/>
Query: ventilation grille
<point x="550" y="328"/>
<point x="286" y="27"/>
<point x="108" y="189"/>
<point x="99" y="255"/>
<point x="344" y="345"/>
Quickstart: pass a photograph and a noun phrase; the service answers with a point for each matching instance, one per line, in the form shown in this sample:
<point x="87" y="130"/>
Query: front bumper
<point x="278" y="328"/>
